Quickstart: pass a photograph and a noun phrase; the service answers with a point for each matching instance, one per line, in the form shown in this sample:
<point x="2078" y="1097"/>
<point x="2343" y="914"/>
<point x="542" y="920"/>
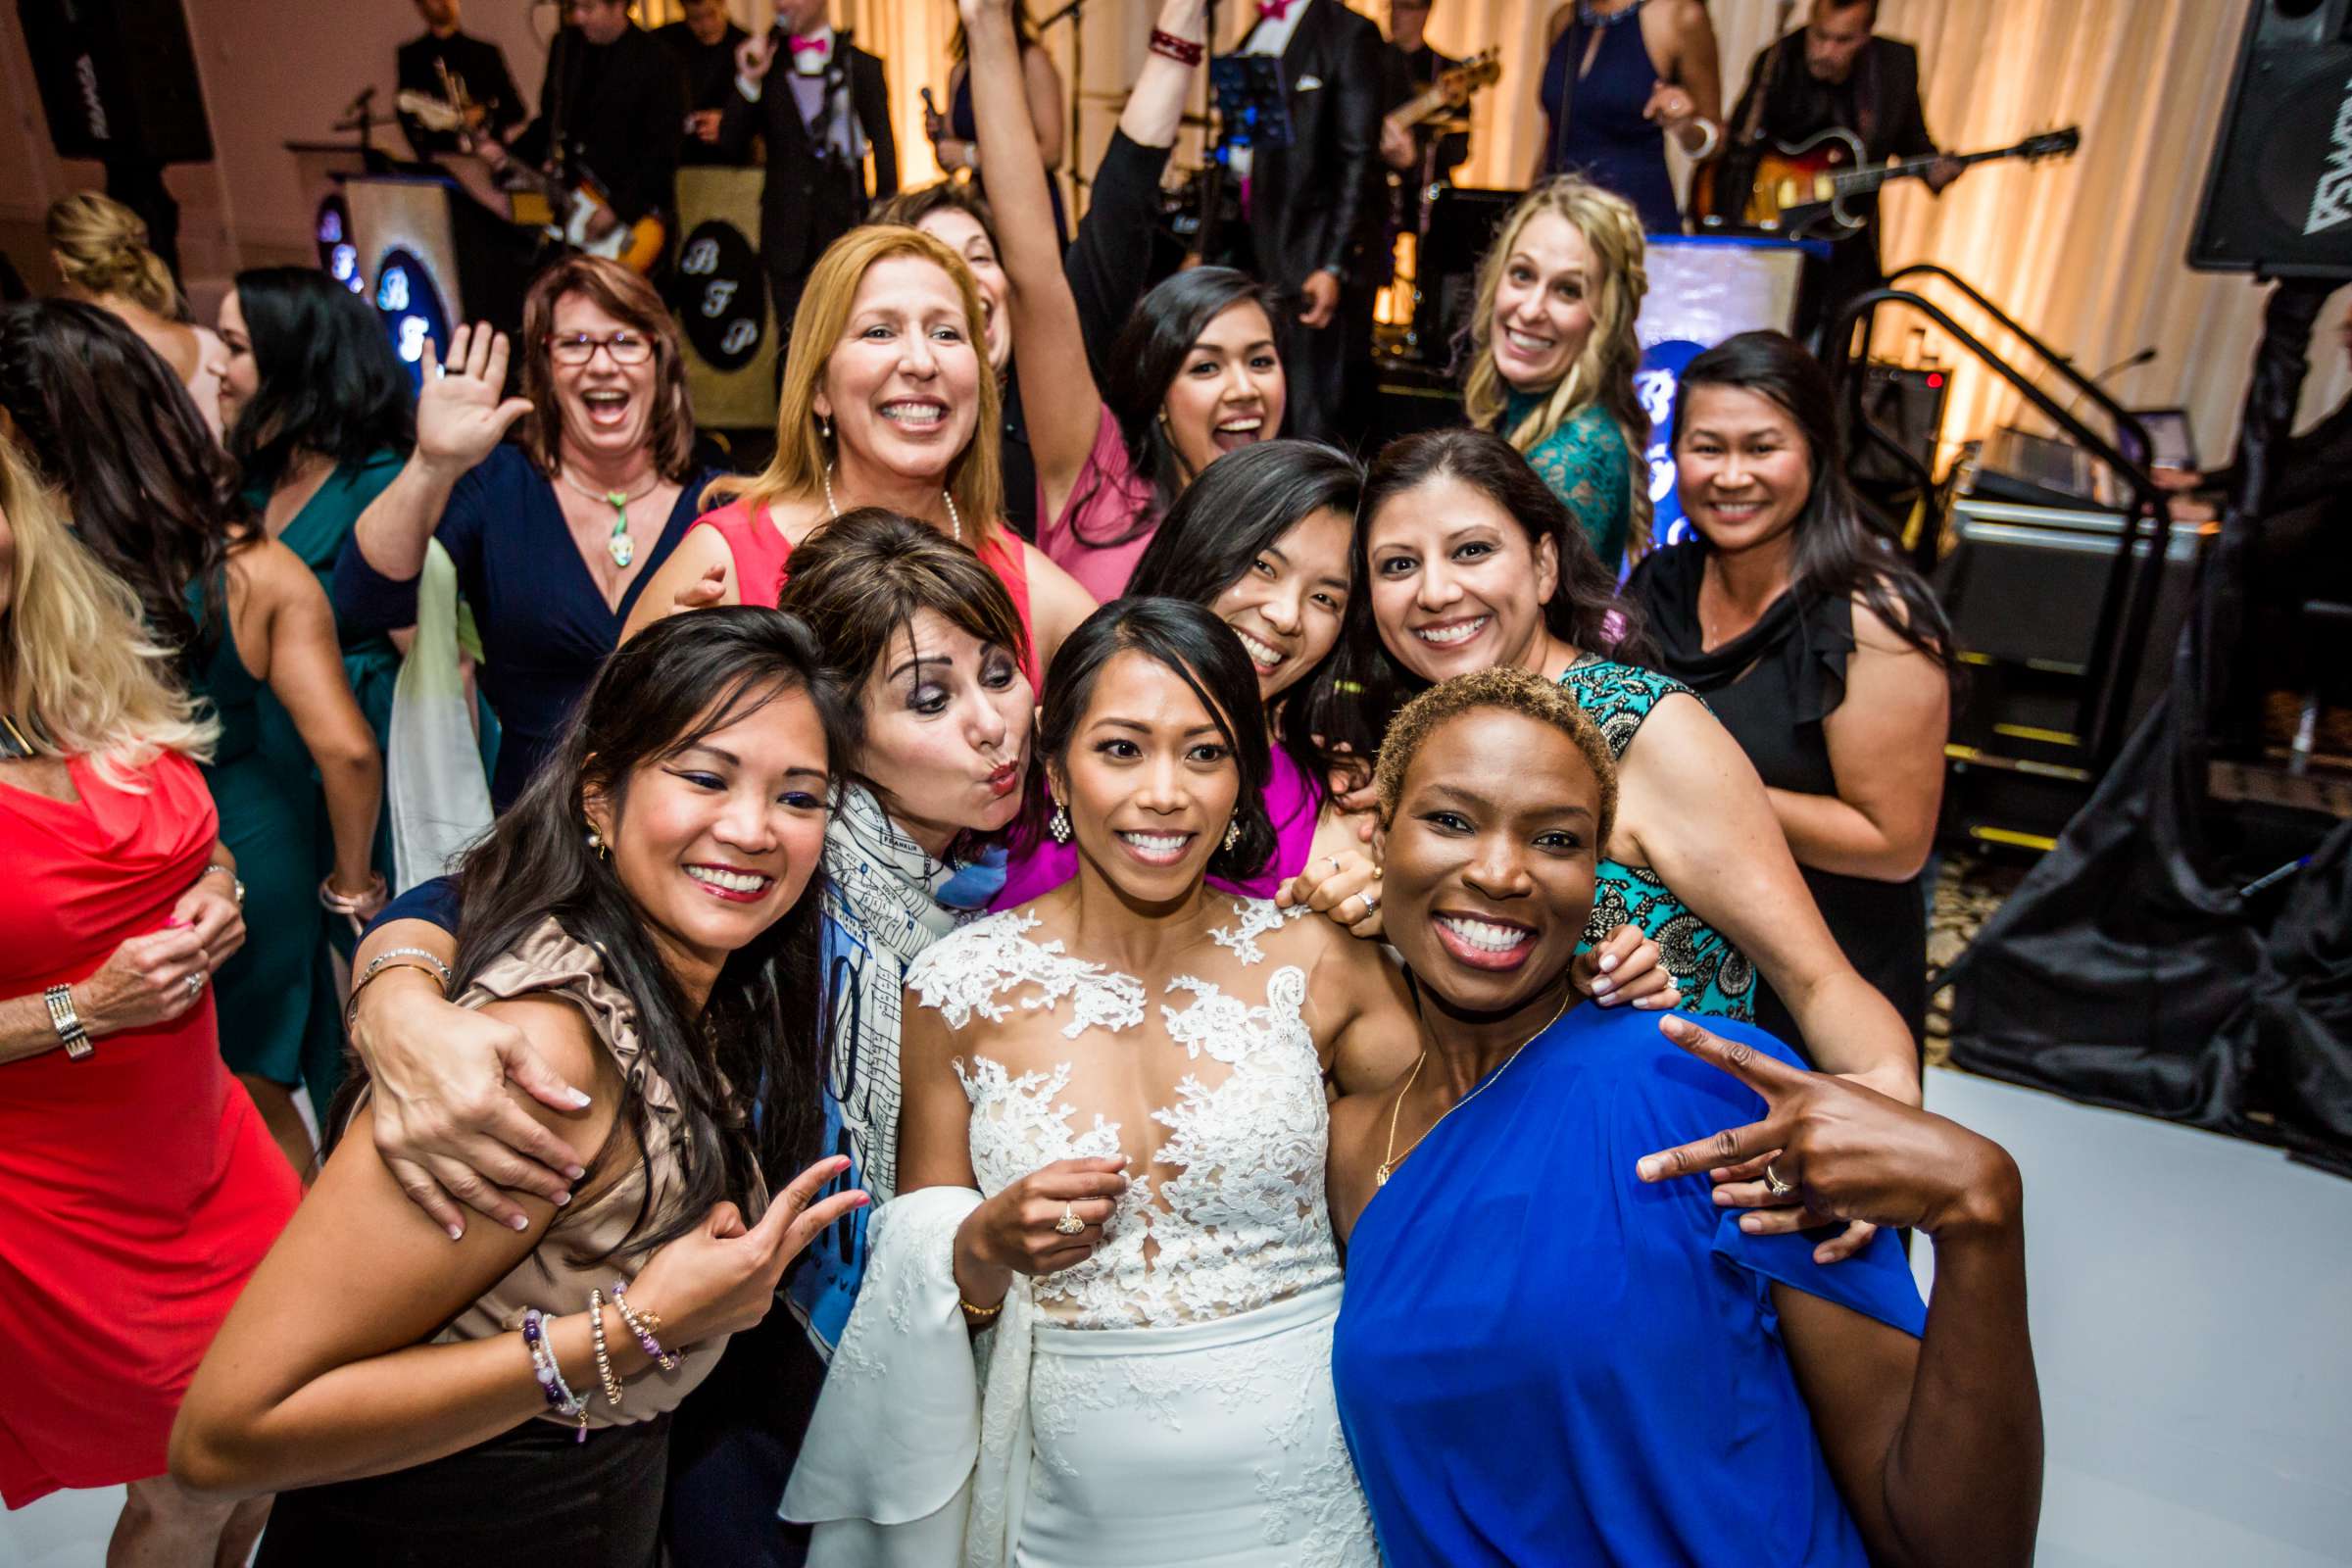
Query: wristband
<point x="365" y="906"/>
<point x="1183" y="51"/>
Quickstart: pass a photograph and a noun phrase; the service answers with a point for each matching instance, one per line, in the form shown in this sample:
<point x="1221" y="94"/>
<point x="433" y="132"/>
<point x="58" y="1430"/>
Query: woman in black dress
<point x="1821" y="650"/>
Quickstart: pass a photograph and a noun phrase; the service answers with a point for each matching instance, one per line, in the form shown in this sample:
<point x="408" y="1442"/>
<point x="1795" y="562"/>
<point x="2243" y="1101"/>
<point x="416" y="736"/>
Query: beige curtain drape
<point x="2087" y="252"/>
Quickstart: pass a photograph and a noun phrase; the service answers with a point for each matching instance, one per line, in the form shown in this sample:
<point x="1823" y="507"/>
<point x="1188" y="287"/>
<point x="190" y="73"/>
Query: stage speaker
<point x="1906" y="406"/>
<point x="118" y="80"/>
<point x="2279" y="193"/>
<point x="719" y="293"/>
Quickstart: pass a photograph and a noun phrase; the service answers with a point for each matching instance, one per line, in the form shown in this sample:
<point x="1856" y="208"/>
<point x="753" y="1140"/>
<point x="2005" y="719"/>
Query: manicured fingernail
<point x="841" y="1163"/>
<point x="561" y="1199"/>
<point x="1751" y="1223"/>
<point x="1723" y="1197"/>
<point x="456" y="1233"/>
<point x="1646" y="1169"/>
<point x="1603" y="986"/>
<point x="1675" y="1027"/>
<point x="576" y="1172"/>
<point x="863" y="1198"/>
<point x="579" y="1101"/>
<point x="175" y="922"/>
<point x="1608" y="962"/>
<point x="519" y="1223"/>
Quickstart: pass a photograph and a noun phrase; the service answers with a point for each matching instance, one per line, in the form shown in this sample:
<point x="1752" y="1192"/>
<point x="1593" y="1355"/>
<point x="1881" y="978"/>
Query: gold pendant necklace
<point x="1390" y="1159"/>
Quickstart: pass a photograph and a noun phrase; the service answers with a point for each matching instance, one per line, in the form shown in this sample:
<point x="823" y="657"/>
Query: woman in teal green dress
<point x="156" y="499"/>
<point x="1553" y="355"/>
<point x="320" y="417"/>
<point x="1471" y="561"/>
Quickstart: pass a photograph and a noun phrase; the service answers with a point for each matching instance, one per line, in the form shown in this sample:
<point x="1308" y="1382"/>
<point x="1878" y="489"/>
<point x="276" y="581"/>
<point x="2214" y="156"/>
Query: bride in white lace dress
<point x="1111" y="1163"/>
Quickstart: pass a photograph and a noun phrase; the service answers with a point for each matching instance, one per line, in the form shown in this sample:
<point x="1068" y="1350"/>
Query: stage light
<point x="1935" y="380"/>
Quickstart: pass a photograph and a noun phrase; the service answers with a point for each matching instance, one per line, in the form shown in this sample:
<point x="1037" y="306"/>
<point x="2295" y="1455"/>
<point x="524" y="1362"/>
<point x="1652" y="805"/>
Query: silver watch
<point x="237" y="888"/>
<point x="66" y="1022"/>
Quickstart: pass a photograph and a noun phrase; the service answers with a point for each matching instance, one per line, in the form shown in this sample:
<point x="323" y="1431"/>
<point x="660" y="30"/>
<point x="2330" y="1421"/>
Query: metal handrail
<point x="2106" y="696"/>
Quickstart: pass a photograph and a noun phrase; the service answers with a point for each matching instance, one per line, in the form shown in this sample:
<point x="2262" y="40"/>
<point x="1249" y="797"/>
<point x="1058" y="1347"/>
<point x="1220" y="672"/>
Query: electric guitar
<point x="1449" y="89"/>
<point x="573" y="204"/>
<point x="1801" y="191"/>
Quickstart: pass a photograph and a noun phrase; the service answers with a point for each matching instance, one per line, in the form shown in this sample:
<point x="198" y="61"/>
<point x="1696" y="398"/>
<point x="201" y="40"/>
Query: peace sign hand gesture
<point x="1849" y="1152"/>
<point x="722" y="1276"/>
<point x="459" y="415"/>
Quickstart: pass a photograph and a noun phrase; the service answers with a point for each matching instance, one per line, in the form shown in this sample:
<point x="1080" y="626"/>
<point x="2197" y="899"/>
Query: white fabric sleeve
<point x="749" y="87"/>
<point x="894" y="1454"/>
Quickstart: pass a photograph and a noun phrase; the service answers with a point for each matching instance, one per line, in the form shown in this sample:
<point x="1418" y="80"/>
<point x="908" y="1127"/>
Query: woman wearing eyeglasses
<point x="552" y="536"/>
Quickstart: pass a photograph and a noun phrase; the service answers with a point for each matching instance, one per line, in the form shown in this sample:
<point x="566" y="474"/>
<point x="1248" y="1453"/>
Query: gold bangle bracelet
<point x="978" y="1315"/>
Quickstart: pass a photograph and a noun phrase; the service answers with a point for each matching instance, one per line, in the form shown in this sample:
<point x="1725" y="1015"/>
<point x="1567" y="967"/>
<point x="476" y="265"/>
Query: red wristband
<point x="1182" y="51"/>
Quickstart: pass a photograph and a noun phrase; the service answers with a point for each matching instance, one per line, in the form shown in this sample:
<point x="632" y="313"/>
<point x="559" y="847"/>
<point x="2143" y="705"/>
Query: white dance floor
<point x="2193" y="1317"/>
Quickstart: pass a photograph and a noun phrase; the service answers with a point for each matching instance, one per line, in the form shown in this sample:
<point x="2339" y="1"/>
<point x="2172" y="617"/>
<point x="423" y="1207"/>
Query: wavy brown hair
<point x="629" y="299"/>
<point x="101" y="248"/>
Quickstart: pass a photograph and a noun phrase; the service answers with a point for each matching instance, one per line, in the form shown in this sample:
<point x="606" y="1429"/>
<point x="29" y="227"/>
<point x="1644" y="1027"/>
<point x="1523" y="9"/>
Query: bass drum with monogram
<point x="719" y="295"/>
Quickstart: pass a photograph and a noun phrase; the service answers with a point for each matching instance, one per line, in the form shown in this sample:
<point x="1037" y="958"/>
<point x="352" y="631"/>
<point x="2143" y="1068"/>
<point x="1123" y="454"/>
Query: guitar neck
<point x="1868" y="179"/>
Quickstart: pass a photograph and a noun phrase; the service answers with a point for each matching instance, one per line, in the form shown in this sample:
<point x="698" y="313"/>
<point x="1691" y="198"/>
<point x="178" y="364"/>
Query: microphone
<point x="2131" y="363"/>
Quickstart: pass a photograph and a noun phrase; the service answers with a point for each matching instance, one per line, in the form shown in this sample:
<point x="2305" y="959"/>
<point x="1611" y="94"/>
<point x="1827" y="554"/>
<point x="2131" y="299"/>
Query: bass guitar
<point x="1449" y="89"/>
<point x="573" y="205"/>
<point x="1802" y="190"/>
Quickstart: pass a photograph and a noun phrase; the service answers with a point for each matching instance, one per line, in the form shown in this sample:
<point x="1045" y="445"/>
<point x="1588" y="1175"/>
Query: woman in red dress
<point x="138" y="1188"/>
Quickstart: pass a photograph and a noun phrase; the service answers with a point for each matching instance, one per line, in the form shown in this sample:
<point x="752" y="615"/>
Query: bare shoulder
<point x="1685" y="20"/>
<point x="1874" y="632"/>
<point x="1557" y="23"/>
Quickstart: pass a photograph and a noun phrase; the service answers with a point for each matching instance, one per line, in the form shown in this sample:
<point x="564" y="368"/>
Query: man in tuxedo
<point x="608" y="83"/>
<point x="821" y="105"/>
<point x="1833" y="71"/>
<point x="475" y="66"/>
<point x="704" y="43"/>
<point x="1312" y="210"/>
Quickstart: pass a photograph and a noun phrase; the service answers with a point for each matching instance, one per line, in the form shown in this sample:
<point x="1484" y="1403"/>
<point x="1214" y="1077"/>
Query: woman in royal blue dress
<point x="1555" y="1346"/>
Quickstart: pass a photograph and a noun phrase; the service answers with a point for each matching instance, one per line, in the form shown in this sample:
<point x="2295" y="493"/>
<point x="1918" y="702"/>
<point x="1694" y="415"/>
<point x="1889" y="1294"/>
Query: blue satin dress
<point x="1540" y="1359"/>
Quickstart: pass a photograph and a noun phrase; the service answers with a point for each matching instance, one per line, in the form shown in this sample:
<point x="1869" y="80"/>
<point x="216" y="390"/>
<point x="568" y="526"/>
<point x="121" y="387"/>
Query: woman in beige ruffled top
<point x="642" y="915"/>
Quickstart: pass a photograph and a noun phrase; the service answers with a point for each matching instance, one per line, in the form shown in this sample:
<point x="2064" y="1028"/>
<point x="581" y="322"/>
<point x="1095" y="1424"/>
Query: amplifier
<point x="118" y="80"/>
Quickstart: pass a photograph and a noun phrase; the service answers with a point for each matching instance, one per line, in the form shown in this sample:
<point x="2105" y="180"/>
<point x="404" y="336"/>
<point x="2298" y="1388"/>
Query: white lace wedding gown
<point x="1169" y="1400"/>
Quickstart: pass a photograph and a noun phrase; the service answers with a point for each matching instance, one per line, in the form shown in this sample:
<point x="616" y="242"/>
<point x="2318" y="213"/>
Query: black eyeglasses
<point x="578" y="348"/>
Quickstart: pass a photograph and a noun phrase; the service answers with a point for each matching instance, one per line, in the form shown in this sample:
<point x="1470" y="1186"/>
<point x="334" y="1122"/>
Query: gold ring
<point x="1776" y="1184"/>
<point x="1069" y="1224"/>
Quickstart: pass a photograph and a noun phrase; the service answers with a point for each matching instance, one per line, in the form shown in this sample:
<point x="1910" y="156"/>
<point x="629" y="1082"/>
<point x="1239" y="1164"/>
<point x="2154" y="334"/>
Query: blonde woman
<point x="1553" y="355"/>
<point x="100" y="250"/>
<point x="138" y="1186"/>
<point x="888" y="401"/>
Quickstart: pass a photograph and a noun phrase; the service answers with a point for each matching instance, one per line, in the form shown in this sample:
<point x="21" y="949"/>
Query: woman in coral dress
<point x="138" y="1186"/>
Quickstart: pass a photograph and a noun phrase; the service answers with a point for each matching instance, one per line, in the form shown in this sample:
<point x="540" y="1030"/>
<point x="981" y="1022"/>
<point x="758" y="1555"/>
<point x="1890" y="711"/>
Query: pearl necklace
<point x="955" y="522"/>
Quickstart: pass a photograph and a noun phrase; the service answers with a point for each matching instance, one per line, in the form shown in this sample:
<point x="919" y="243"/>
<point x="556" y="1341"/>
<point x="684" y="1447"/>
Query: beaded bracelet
<point x="644" y="1325"/>
<point x="603" y="1363"/>
<point x="1183" y="51"/>
<point x="559" y="1397"/>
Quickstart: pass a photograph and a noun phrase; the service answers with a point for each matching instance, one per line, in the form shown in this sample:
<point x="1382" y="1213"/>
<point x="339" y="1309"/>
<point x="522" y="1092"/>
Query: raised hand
<point x="1669" y="107"/>
<point x="1344" y="886"/>
<point x="1625" y="967"/>
<point x="1845" y="1151"/>
<point x="1021" y="1228"/>
<point x="460" y="415"/>
<point x="721" y="1277"/>
<point x="755" y="55"/>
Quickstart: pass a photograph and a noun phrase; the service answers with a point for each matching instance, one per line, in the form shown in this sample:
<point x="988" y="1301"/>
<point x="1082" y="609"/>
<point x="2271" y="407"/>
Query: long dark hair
<point x="1206" y="657"/>
<point x="1145" y="360"/>
<point x="747" y="1072"/>
<point x="1241" y="504"/>
<point x="329" y="380"/>
<point x="859" y="581"/>
<point x="1357" y="690"/>
<point x="110" y="425"/>
<point x="1837" y="554"/>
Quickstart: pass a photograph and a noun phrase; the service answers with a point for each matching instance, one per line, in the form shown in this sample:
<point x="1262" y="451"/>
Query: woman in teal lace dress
<point x="1471" y="563"/>
<point x="1553" y="355"/>
<point x="156" y="501"/>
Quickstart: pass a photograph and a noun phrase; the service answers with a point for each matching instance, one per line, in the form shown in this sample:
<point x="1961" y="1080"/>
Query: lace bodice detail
<point x="1230" y="1214"/>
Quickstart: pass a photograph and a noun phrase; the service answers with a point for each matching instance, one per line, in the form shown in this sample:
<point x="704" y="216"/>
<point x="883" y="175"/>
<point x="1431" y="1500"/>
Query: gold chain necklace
<point x="1390" y="1159"/>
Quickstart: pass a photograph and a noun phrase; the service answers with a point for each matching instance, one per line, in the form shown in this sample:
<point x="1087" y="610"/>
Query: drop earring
<point x="1233" y="833"/>
<point x="1059" y="824"/>
<point x="596" y="842"/>
<point x="824" y="427"/>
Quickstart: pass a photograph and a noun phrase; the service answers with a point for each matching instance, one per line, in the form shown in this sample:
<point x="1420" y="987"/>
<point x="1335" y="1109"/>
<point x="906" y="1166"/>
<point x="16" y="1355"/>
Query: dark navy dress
<point x="542" y="617"/>
<point x="1541" y="1359"/>
<point x="1604" y="138"/>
